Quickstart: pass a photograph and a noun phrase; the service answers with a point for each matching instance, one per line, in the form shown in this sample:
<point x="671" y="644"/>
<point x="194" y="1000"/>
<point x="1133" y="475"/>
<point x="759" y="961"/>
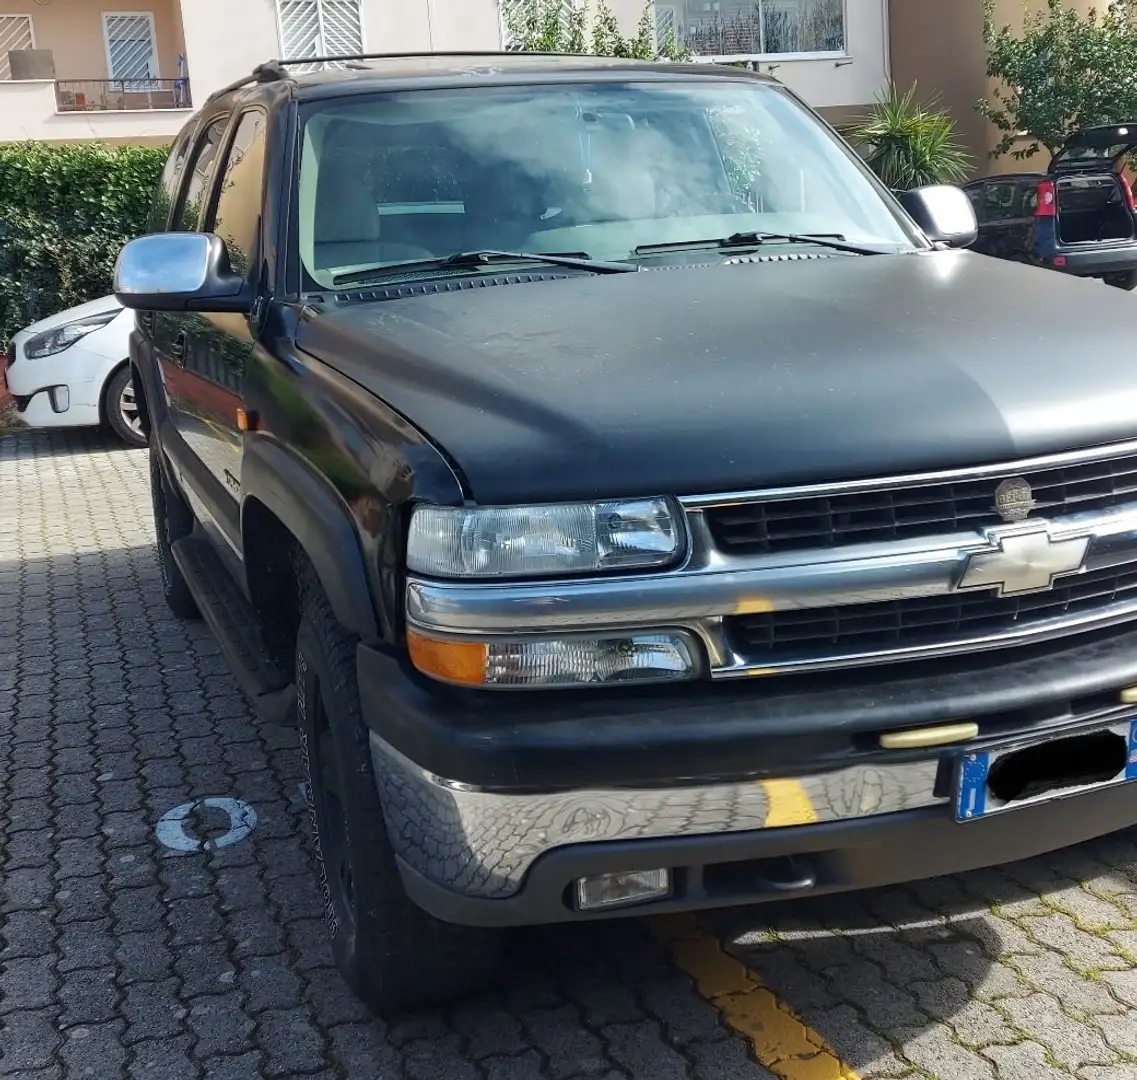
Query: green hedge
<point x="65" y="211"/>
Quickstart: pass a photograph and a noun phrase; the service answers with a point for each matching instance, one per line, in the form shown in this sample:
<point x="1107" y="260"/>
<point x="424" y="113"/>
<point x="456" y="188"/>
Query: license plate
<point x="975" y="798"/>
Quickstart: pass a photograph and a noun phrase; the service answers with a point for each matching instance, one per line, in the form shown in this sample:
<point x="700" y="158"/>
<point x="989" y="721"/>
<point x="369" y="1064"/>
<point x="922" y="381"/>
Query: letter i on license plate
<point x="975" y="799"/>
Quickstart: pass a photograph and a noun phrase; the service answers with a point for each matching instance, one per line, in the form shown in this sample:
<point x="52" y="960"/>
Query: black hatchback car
<point x="1077" y="217"/>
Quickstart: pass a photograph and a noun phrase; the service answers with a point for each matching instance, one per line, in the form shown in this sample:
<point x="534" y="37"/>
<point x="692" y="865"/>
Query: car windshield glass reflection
<point x="600" y="168"/>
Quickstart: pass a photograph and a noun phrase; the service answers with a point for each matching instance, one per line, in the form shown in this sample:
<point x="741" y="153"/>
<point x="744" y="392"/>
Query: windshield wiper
<point x="756" y="239"/>
<point x="579" y="260"/>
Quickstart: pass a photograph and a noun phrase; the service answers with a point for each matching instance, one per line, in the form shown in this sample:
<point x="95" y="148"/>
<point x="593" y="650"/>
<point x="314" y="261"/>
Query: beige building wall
<point x="226" y="39"/>
<point x="28" y="111"/>
<point x="430" y="25"/>
<point x="251" y="36"/>
<point x="73" y="31"/>
<point x="939" y="45"/>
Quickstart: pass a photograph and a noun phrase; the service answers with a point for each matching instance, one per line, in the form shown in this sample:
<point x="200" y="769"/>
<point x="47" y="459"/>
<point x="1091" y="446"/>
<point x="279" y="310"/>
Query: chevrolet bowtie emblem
<point x="1025" y="561"/>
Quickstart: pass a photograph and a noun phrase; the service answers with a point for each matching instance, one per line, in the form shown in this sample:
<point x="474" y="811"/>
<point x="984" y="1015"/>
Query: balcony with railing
<point x="121" y="95"/>
<point x="80" y="110"/>
<point x="72" y="71"/>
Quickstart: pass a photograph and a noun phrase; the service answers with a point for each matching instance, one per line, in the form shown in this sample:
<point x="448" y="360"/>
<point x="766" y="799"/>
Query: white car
<point x="70" y="370"/>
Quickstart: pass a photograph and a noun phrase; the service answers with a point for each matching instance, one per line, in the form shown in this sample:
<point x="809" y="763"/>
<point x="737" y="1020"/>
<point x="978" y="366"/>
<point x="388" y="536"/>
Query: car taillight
<point x="1047" y="200"/>
<point x="1127" y="191"/>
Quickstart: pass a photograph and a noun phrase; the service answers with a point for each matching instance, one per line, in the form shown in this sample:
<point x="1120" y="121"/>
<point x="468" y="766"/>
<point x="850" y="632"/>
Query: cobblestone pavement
<point x="120" y="957"/>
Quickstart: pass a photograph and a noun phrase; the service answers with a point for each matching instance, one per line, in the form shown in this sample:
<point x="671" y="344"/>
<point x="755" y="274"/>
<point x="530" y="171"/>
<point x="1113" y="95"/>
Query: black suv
<point x="636" y="507"/>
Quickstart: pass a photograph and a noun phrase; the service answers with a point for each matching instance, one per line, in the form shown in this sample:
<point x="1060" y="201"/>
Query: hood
<point x="73" y="314"/>
<point x="726" y="378"/>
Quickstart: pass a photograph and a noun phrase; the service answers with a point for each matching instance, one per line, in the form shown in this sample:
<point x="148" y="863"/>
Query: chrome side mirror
<point x="944" y="213"/>
<point x="179" y="272"/>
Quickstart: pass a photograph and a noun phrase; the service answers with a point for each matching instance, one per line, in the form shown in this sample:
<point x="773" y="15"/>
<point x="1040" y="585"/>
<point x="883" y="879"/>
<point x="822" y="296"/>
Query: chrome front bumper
<point x="482" y="843"/>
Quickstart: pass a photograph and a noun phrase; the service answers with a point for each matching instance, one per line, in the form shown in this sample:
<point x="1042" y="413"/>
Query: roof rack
<point x="276" y="70"/>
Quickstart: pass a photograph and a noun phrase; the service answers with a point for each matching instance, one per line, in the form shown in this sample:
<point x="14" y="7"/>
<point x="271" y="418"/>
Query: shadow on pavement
<point x="114" y="712"/>
<point x="906" y="966"/>
<point x="23" y="442"/>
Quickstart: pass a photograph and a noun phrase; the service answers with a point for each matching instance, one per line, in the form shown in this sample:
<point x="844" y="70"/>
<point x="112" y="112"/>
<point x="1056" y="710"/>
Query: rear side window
<point x="1002" y="201"/>
<point x="167" y="190"/>
<point x="236" y="218"/>
<point x="188" y="217"/>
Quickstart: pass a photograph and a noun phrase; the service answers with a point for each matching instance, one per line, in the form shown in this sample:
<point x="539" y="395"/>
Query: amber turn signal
<point x="451" y="661"/>
<point x="246" y="421"/>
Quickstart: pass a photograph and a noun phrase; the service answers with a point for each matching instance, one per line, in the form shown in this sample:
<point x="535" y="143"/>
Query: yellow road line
<point x="789" y="804"/>
<point x="780" y="1041"/>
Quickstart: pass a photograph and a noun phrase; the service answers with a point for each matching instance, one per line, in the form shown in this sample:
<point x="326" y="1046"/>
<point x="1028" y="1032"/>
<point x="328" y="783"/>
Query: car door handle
<point x="178" y="349"/>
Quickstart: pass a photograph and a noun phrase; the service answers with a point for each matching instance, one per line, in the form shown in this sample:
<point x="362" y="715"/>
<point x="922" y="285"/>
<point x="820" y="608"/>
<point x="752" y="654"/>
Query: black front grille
<point x="921" y="621"/>
<point x="797" y="524"/>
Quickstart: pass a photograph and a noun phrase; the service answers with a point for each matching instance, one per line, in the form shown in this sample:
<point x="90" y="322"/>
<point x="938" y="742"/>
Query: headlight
<point x="63" y="337"/>
<point x="601" y="659"/>
<point x="528" y="541"/>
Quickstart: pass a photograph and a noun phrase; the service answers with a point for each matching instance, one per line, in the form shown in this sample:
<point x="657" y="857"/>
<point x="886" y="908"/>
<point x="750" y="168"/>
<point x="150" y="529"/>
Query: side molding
<point x="314" y="513"/>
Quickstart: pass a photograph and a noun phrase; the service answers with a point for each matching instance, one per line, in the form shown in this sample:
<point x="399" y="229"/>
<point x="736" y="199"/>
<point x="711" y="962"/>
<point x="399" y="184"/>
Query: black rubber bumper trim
<point x="1088" y="263"/>
<point x="735" y="868"/>
<point x="779" y="726"/>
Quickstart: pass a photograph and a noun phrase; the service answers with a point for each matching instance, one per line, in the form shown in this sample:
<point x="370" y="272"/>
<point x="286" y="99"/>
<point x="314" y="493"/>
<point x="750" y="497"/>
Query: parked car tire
<point x="1126" y="279"/>
<point x="120" y="407"/>
<point x="173" y="521"/>
<point x="392" y="953"/>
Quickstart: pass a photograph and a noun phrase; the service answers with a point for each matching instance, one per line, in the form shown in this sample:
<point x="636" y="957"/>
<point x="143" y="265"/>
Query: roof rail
<point x="275" y="70"/>
<point x="272" y="71"/>
<point x="422" y="53"/>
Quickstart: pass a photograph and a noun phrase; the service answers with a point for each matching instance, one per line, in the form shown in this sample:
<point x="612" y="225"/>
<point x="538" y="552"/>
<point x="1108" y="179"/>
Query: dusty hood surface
<point x="740" y="376"/>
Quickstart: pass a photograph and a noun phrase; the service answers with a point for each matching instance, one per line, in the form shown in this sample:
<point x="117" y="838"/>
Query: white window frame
<point x="149" y="16"/>
<point x="731" y="58"/>
<point x="27" y="17"/>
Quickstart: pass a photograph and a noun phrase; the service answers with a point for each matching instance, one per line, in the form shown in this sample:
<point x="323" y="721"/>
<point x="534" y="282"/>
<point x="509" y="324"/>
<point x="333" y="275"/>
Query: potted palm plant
<point x="909" y="144"/>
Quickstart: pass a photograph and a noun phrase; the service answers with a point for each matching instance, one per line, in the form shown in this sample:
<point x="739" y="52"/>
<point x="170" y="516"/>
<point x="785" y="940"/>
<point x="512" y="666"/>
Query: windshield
<point x="596" y="169"/>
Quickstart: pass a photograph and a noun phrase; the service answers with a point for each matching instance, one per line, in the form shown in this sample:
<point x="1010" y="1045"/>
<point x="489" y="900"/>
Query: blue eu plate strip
<point x="1131" y="760"/>
<point x="971" y="801"/>
<point x="972" y="786"/>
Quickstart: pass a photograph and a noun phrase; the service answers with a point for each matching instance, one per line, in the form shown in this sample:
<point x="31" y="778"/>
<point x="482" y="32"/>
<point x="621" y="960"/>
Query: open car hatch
<point x="1095" y="149"/>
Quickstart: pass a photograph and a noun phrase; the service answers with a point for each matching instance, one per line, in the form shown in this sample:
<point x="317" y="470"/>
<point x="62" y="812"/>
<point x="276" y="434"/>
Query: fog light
<point x="618" y="890"/>
<point x="60" y="399"/>
<point x="570" y="661"/>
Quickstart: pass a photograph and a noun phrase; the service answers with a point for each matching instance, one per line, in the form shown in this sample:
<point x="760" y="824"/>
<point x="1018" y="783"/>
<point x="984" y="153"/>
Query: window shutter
<point x="15" y="34"/>
<point x="130" y="46"/>
<point x="311" y="28"/>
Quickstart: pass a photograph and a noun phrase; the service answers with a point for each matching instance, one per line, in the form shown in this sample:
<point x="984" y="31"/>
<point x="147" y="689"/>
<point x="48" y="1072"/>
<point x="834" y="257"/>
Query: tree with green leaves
<point x="586" y="27"/>
<point x="1062" y="71"/>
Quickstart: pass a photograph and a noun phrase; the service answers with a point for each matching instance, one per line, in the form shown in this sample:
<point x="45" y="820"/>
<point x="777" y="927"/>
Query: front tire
<point x="120" y="408"/>
<point x="393" y="954"/>
<point x="1124" y="279"/>
<point x="173" y="521"/>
